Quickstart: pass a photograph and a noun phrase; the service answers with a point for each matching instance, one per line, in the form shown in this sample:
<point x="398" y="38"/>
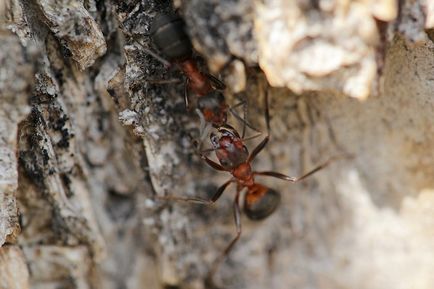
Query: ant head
<point x="229" y="148"/>
<point x="224" y="132"/>
<point x="260" y="202"/>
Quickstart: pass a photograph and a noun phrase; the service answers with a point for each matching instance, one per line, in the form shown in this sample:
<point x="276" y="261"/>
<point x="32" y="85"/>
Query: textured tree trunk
<point x="93" y="132"/>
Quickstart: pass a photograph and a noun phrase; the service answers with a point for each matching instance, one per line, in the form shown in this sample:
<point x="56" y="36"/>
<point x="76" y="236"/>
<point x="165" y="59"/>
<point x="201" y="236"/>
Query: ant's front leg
<point x="243" y="119"/>
<point x="264" y="142"/>
<point x="308" y="174"/>
<point x="213" y="164"/>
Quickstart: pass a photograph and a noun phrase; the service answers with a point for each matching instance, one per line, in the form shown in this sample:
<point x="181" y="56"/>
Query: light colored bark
<point x="13" y="268"/>
<point x="14" y="109"/>
<point x="89" y="138"/>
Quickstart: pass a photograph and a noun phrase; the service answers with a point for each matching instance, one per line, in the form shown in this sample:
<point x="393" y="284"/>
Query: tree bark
<point x="93" y="132"/>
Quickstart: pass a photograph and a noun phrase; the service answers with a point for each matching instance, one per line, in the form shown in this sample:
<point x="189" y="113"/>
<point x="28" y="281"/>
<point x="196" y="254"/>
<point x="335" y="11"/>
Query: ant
<point x="260" y="201"/>
<point x="168" y="34"/>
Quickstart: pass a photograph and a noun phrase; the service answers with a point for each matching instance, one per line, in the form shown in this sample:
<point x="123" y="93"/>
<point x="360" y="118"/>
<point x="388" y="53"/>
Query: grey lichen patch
<point x="47" y="149"/>
<point x="45" y="167"/>
<point x="13" y="17"/>
<point x="69" y="266"/>
<point x="73" y="25"/>
<point x="14" y="273"/>
<point x="152" y="106"/>
<point x="414" y="17"/>
<point x="16" y="80"/>
<point x="76" y="163"/>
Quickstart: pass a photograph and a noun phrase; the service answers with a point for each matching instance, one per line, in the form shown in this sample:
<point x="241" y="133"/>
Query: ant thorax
<point x="229" y="148"/>
<point x="214" y="108"/>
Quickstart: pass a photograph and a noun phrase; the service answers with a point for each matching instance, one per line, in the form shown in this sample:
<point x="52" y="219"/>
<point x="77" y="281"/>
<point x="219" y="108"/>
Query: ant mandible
<point x="260" y="201"/>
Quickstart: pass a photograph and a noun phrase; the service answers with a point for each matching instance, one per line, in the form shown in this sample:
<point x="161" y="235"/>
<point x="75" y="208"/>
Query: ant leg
<point x="297" y="179"/>
<point x="145" y="49"/>
<point x="258" y="148"/>
<point x="263" y="143"/>
<point x="243" y="120"/>
<point x="166" y="63"/>
<point x="204" y="129"/>
<point x="218" y="84"/>
<point x="267" y="113"/>
<point x="186" y="101"/>
<point x="252" y="137"/>
<point x="202" y="201"/>
<point x="202" y="121"/>
<point x="168" y="81"/>
<point x="212" y="163"/>
<point x="208" y="150"/>
<point x="237" y="219"/>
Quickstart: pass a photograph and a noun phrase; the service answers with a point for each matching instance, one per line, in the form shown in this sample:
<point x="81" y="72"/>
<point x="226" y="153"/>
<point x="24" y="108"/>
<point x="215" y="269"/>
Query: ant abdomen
<point x="168" y="34"/>
<point x="260" y="202"/>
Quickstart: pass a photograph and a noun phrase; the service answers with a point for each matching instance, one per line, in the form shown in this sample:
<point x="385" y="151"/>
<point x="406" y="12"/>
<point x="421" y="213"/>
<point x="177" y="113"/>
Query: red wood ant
<point x="169" y="35"/>
<point x="260" y="201"/>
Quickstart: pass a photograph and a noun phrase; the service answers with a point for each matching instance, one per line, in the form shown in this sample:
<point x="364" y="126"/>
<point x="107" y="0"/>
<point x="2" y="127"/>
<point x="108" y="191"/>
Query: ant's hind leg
<point x="197" y="200"/>
<point x="237" y="219"/>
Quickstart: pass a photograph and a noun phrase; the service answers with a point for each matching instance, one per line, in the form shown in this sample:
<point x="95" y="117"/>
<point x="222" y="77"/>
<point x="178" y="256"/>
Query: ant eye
<point x="224" y="162"/>
<point x="260" y="207"/>
<point x="214" y="140"/>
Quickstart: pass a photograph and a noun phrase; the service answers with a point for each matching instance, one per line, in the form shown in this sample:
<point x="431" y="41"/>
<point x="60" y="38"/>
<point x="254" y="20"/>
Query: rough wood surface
<point x="90" y="137"/>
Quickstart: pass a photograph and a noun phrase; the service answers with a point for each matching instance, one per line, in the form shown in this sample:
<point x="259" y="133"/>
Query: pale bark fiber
<point x="92" y="133"/>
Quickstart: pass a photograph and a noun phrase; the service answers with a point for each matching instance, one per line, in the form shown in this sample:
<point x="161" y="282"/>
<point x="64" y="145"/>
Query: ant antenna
<point x="166" y="63"/>
<point x="163" y="61"/>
